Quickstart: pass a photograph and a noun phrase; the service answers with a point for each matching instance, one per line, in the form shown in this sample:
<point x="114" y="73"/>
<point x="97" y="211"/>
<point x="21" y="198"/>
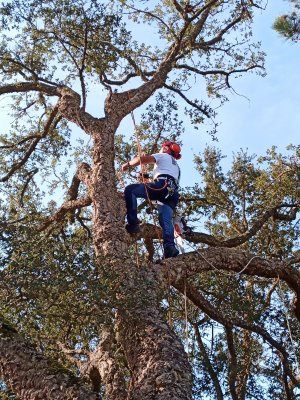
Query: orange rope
<point x="144" y="181"/>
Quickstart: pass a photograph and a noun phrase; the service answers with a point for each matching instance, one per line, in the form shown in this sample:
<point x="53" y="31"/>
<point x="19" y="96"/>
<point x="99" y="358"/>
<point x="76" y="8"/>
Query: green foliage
<point x="56" y="38"/>
<point x="288" y="25"/>
<point x="50" y="287"/>
<point x="236" y="199"/>
<point x="6" y="394"/>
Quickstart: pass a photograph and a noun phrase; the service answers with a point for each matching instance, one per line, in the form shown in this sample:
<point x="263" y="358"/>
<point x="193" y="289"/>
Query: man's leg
<point x="131" y="193"/>
<point x="165" y="214"/>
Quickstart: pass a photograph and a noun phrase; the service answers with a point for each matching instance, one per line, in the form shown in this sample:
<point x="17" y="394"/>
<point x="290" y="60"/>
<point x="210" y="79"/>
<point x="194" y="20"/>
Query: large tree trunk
<point x="156" y="358"/>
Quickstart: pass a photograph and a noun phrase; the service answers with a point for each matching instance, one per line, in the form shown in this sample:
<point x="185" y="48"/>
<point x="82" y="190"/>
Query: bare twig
<point x="233" y="368"/>
<point x="30" y="176"/>
<point x="188" y="101"/>
<point x="207" y="363"/>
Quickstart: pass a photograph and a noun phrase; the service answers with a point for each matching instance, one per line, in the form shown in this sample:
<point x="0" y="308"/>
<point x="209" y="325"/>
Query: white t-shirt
<point x="165" y="165"/>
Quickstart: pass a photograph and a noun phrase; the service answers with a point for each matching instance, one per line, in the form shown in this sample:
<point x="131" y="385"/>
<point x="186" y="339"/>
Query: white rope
<point x="281" y="295"/>
<point x="186" y="319"/>
<point x="217" y="269"/>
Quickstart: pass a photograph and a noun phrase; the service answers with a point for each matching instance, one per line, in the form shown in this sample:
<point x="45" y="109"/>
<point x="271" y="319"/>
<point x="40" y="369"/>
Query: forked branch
<point x="49" y="126"/>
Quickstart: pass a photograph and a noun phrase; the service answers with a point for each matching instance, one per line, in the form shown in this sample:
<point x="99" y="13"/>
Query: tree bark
<point x="104" y="368"/>
<point x="31" y="376"/>
<point x="157" y="360"/>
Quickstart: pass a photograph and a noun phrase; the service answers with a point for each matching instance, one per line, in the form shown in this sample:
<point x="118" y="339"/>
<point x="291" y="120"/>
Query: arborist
<point x="163" y="188"/>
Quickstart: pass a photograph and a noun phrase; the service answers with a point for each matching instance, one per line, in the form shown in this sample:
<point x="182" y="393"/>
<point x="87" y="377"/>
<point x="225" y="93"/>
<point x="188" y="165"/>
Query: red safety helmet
<point x="174" y="149"/>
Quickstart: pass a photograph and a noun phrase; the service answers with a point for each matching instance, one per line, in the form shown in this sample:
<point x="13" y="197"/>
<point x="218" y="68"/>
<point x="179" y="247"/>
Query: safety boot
<point x="132" y="229"/>
<point x="170" y="251"/>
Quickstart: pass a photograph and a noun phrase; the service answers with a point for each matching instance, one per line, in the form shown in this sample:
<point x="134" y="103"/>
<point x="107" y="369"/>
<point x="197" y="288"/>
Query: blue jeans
<point x="156" y="191"/>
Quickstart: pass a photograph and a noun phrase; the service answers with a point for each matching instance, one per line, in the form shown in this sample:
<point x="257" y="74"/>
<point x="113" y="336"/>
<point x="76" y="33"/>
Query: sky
<point x="269" y="114"/>
<point x="272" y="116"/>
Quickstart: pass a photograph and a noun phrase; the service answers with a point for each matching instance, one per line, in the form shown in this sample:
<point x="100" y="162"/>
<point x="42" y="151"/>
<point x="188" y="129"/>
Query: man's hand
<point x="125" y="167"/>
<point x="145" y="159"/>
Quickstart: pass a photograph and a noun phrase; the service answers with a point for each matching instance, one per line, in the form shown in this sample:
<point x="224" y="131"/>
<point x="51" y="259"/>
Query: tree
<point x="84" y="312"/>
<point x="288" y="25"/>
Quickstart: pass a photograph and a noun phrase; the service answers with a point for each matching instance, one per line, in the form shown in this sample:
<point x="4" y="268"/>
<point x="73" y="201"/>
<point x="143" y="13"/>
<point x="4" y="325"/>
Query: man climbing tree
<point x="164" y="189"/>
<point x="83" y="312"/>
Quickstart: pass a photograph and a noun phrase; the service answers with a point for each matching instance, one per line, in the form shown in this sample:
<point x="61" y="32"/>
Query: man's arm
<point x="137" y="161"/>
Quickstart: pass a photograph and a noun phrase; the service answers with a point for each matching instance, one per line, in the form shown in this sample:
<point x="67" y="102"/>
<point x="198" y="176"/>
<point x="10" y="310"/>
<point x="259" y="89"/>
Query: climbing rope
<point x="186" y="319"/>
<point x="217" y="269"/>
<point x="281" y="296"/>
<point x="158" y="232"/>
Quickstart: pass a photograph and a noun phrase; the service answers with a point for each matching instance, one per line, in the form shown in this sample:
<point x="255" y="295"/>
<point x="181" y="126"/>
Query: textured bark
<point x="108" y="221"/>
<point x="156" y="358"/>
<point x="31" y="376"/>
<point x="103" y="368"/>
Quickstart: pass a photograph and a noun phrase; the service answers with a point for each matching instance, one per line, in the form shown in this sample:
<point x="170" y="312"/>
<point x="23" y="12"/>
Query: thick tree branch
<point x="222" y="32"/>
<point x="103" y="363"/>
<point x="179" y="9"/>
<point x="148" y="230"/>
<point x="223" y="259"/>
<point x="288" y="391"/>
<point x="29" y="374"/>
<point x="64" y="210"/>
<point x="197" y="28"/>
<point x="30" y="86"/>
<point x="233" y="366"/>
<point x="68" y="106"/>
<point x="83" y="174"/>
<point x="126" y="78"/>
<point x="82" y="68"/>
